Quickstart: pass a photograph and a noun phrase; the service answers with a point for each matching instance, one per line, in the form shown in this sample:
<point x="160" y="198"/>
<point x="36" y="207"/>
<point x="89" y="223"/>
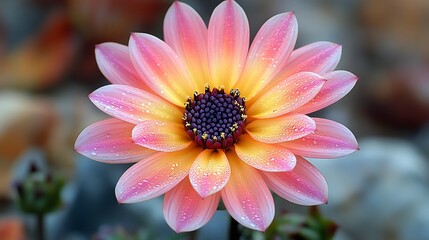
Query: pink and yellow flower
<point x="207" y="117"/>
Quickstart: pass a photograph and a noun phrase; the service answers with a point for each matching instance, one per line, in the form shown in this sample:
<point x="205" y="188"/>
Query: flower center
<point x="215" y="119"/>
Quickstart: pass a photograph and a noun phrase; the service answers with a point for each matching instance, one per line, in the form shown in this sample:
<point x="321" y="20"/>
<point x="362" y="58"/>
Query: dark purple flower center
<point x="215" y="119"/>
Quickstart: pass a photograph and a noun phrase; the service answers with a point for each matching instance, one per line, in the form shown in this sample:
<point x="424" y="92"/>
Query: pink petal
<point x="281" y="129"/>
<point x="114" y="62"/>
<point x="269" y="52"/>
<point x="184" y="210"/>
<point x="318" y="57"/>
<point x="228" y="43"/>
<point x="110" y="141"/>
<point x="160" y="67"/>
<point x="304" y="185"/>
<point x="286" y="95"/>
<point x="155" y="175"/>
<point x="210" y="172"/>
<point x="247" y="197"/>
<point x="267" y="157"/>
<point x="186" y="33"/>
<point x="133" y="105"/>
<point x="338" y="84"/>
<point x="330" y="140"/>
<point x="161" y="136"/>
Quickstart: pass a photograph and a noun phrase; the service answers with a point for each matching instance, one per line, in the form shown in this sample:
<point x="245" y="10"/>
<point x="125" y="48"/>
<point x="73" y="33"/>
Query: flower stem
<point x="193" y="235"/>
<point x="40" y="226"/>
<point x="233" y="229"/>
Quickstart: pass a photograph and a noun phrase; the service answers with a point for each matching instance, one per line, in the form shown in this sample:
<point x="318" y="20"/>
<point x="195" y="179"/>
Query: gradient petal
<point x="155" y="175"/>
<point x="109" y="141"/>
<point x="161" y="136"/>
<point x="114" y="62"/>
<point x="304" y="185"/>
<point x="318" y="57"/>
<point x="228" y="43"/>
<point x="269" y="52"/>
<point x="133" y="105"/>
<point x="210" y="172"/>
<point x="186" y="33"/>
<point x="330" y="140"/>
<point x="246" y="196"/>
<point x="286" y="96"/>
<point x="266" y="157"/>
<point x="338" y="84"/>
<point x="160" y="67"/>
<point x="281" y="129"/>
<point x="185" y="210"/>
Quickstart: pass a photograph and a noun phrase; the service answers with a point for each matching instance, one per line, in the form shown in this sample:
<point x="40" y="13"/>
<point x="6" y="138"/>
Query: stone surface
<point x="379" y="192"/>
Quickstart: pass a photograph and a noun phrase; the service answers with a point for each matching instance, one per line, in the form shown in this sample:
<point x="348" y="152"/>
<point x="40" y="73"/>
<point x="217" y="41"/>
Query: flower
<point x="206" y="117"/>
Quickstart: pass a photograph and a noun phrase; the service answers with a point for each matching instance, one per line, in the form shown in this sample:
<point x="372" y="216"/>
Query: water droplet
<point x="93" y="153"/>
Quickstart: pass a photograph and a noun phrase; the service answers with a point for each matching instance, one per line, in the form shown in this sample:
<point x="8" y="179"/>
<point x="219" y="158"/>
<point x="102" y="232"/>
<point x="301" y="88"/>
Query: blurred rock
<point x="91" y="18"/>
<point x="379" y="192"/>
<point x="40" y="61"/>
<point x="48" y="124"/>
<point x="400" y="97"/>
<point x="24" y="121"/>
<point x="11" y="229"/>
<point x="404" y="33"/>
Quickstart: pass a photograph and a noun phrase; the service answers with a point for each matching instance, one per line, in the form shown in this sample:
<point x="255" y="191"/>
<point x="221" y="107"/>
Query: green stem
<point x="40" y="226"/>
<point x="233" y="229"/>
<point x="193" y="235"/>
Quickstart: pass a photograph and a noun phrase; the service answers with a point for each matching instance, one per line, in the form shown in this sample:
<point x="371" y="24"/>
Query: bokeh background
<point x="47" y="69"/>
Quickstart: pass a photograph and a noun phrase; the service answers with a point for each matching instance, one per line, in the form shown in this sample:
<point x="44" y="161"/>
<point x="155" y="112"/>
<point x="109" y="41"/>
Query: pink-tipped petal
<point x="160" y="67"/>
<point x="281" y="129"/>
<point x="185" y="210"/>
<point x="210" y="172"/>
<point x="247" y="197"/>
<point x="133" y="105"/>
<point x="286" y="95"/>
<point x="228" y="43"/>
<point x="318" y="57"/>
<point x="155" y="175"/>
<point x="266" y="157"/>
<point x="109" y="141"/>
<point x="330" y="140"/>
<point x="304" y="185"/>
<point x="338" y="84"/>
<point x="161" y="136"/>
<point x="114" y="62"/>
<point x="269" y="53"/>
<point x="186" y="33"/>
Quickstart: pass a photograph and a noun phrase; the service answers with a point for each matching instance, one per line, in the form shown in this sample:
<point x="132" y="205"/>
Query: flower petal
<point x="318" y="57"/>
<point x="114" y="62"/>
<point x="110" y="141"/>
<point x="155" y="175"/>
<point x="286" y="95"/>
<point x="210" y="172"/>
<point x="161" y="136"/>
<point x="266" y="157"/>
<point x="247" y="197"/>
<point x="228" y="43"/>
<point x="304" y="185"/>
<point x="185" y="210"/>
<point x="330" y="140"/>
<point x="281" y="129"/>
<point x="186" y="33"/>
<point x="160" y="67"/>
<point x="269" y="52"/>
<point x="338" y="84"/>
<point x="133" y="105"/>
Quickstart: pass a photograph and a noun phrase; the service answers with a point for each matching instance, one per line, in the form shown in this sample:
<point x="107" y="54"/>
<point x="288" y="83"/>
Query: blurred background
<point x="47" y="69"/>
